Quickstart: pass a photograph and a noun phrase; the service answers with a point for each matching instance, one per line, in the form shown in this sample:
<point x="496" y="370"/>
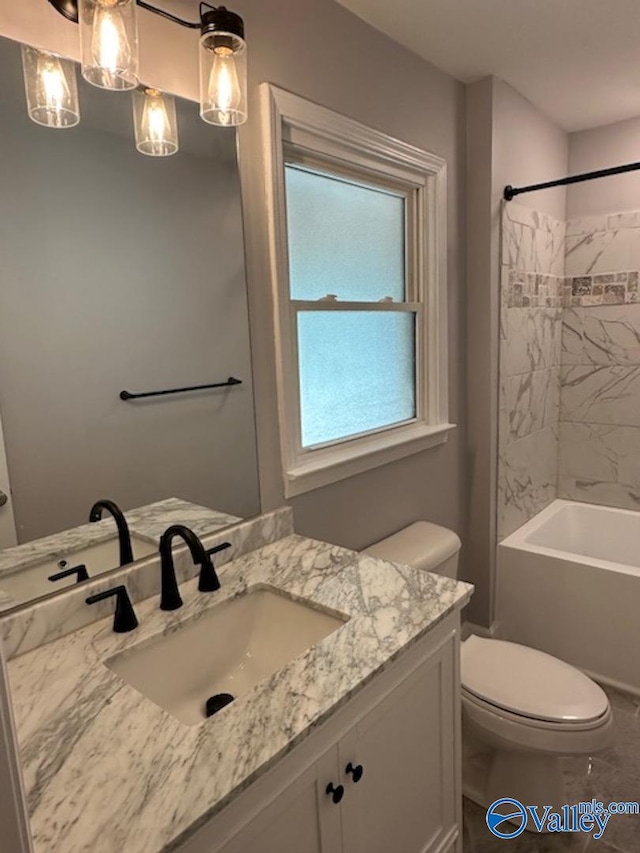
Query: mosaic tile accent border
<point x="532" y="290"/>
<point x="615" y="288"/>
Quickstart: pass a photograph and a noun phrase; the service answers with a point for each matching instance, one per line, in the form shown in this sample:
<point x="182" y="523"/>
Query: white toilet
<point x="522" y="709"/>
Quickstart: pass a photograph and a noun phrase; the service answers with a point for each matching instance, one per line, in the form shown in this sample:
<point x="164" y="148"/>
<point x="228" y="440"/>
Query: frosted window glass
<point x="357" y="372"/>
<point x="343" y="239"/>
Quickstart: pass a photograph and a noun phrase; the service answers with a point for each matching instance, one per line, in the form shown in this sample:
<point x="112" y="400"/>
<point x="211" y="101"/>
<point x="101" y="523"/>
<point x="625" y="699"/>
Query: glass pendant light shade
<point x="156" y="125"/>
<point x="51" y="88"/>
<point x="109" y="41"/>
<point x="223" y="69"/>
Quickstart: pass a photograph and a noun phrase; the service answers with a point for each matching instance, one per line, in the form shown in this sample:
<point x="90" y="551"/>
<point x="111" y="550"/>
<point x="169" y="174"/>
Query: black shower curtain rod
<point x="511" y="192"/>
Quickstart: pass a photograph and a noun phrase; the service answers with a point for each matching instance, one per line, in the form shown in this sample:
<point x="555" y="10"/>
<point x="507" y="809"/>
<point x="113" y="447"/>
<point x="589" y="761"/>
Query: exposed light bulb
<point x="224" y="87"/>
<point x="156" y="126"/>
<point x="156" y="120"/>
<point x="54" y="85"/>
<point x="109" y="43"/>
<point x="51" y="88"/>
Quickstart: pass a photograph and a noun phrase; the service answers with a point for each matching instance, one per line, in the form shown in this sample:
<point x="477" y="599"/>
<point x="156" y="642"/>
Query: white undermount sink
<point x="225" y="650"/>
<point x="33" y="581"/>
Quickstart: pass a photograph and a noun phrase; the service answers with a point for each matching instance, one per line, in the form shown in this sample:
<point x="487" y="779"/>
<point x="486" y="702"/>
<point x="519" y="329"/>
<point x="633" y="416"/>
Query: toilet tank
<point x="422" y="545"/>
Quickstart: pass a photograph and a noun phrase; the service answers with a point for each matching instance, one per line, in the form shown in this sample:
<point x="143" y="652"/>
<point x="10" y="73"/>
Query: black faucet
<point x="124" y="537"/>
<point x="170" y="596"/>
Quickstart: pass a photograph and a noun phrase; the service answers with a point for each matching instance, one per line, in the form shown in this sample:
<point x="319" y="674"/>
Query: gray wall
<point x="599" y="148"/>
<point x="529" y="148"/>
<point x="322" y="52"/>
<point x="119" y="271"/>
<point x="482" y="329"/>
<point x="508" y="142"/>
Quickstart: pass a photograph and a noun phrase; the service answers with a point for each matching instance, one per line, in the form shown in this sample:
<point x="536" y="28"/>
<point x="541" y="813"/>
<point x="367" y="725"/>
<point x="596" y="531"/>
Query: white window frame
<point x="327" y="139"/>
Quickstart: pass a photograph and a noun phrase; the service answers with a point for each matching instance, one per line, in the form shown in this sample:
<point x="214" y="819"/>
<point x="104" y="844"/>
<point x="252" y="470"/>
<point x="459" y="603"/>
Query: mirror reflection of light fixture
<point x="156" y="126"/>
<point x="110" y="52"/>
<point x="51" y="88"/>
<point x="109" y="43"/>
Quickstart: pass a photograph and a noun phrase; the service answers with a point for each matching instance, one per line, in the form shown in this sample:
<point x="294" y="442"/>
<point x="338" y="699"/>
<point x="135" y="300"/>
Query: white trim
<point x="292" y="122"/>
<point x="344" y="461"/>
<point x="14" y="822"/>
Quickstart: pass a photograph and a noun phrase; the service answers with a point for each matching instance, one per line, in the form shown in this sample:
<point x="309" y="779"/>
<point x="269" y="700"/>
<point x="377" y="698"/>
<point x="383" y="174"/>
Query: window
<point x="357" y="247"/>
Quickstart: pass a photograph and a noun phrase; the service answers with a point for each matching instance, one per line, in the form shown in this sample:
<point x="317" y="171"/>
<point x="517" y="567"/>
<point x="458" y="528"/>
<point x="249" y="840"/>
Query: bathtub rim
<point x="517" y="539"/>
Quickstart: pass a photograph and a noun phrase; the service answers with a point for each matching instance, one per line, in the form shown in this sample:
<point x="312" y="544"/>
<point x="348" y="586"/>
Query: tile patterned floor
<point x="612" y="775"/>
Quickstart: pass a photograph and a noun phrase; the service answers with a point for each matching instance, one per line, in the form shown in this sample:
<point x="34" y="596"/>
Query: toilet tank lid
<point x="422" y="545"/>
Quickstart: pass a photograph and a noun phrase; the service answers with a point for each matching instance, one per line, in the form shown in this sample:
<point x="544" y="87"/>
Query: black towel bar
<point x="127" y="395"/>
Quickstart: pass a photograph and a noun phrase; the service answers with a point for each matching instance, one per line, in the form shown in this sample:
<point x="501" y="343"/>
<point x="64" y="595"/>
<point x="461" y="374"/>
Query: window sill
<point x="347" y="460"/>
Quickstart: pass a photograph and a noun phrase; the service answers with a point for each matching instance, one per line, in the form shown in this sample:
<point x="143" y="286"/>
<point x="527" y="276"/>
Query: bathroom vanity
<point x="380" y="775"/>
<point x="352" y="743"/>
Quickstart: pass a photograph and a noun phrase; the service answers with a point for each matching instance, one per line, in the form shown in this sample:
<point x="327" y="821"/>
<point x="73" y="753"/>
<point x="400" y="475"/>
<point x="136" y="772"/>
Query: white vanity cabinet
<point x="403" y="730"/>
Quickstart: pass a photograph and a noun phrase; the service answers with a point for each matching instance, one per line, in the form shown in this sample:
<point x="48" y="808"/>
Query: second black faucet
<point x="170" y="598"/>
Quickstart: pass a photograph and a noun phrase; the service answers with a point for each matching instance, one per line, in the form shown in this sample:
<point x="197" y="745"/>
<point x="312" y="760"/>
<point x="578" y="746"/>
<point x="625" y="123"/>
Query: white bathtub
<point x="568" y="582"/>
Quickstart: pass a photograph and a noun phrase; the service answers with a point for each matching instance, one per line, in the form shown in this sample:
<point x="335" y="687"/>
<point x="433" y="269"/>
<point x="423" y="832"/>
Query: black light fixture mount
<point x="68" y="8"/>
<point x="220" y="20"/>
<point x="214" y="19"/>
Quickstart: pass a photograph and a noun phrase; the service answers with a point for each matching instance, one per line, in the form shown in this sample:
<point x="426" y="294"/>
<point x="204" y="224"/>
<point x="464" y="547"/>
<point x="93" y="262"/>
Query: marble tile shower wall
<point x="532" y="294"/>
<point x="599" y="458"/>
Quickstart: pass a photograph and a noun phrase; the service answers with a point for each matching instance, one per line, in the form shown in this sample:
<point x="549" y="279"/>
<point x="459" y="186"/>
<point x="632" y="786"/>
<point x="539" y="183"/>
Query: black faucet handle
<point x="80" y="571"/>
<point x="125" y="618"/>
<point x="217" y="548"/>
<point x="209" y="581"/>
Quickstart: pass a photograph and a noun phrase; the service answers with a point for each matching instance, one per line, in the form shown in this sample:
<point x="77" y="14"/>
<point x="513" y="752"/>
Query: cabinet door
<point x="408" y="748"/>
<point x="303" y="819"/>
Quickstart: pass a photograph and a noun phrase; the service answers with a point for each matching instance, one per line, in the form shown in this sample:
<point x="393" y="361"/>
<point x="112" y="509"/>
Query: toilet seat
<point x="470" y="701"/>
<point x="506" y="731"/>
<point x="530" y="687"/>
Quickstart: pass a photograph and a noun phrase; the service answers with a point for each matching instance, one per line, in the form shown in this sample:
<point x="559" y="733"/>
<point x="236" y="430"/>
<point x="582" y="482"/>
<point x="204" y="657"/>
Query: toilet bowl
<point x="522" y="709"/>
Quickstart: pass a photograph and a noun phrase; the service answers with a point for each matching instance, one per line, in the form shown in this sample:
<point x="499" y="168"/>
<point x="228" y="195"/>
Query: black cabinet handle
<point x="336" y="793"/>
<point x="355" y="772"/>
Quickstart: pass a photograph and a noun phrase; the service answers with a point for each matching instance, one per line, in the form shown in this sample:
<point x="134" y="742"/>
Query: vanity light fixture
<point x="154" y="119"/>
<point x="51" y="88"/>
<point x="110" y="51"/>
<point x="223" y="68"/>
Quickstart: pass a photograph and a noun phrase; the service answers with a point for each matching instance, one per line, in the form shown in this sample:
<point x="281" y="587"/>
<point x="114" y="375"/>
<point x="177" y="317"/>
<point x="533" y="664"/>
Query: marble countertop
<point x="148" y="522"/>
<point x="106" y="770"/>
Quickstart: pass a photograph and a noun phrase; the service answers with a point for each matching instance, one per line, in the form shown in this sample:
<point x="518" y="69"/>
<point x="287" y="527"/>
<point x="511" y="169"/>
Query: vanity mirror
<point x="119" y="272"/>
